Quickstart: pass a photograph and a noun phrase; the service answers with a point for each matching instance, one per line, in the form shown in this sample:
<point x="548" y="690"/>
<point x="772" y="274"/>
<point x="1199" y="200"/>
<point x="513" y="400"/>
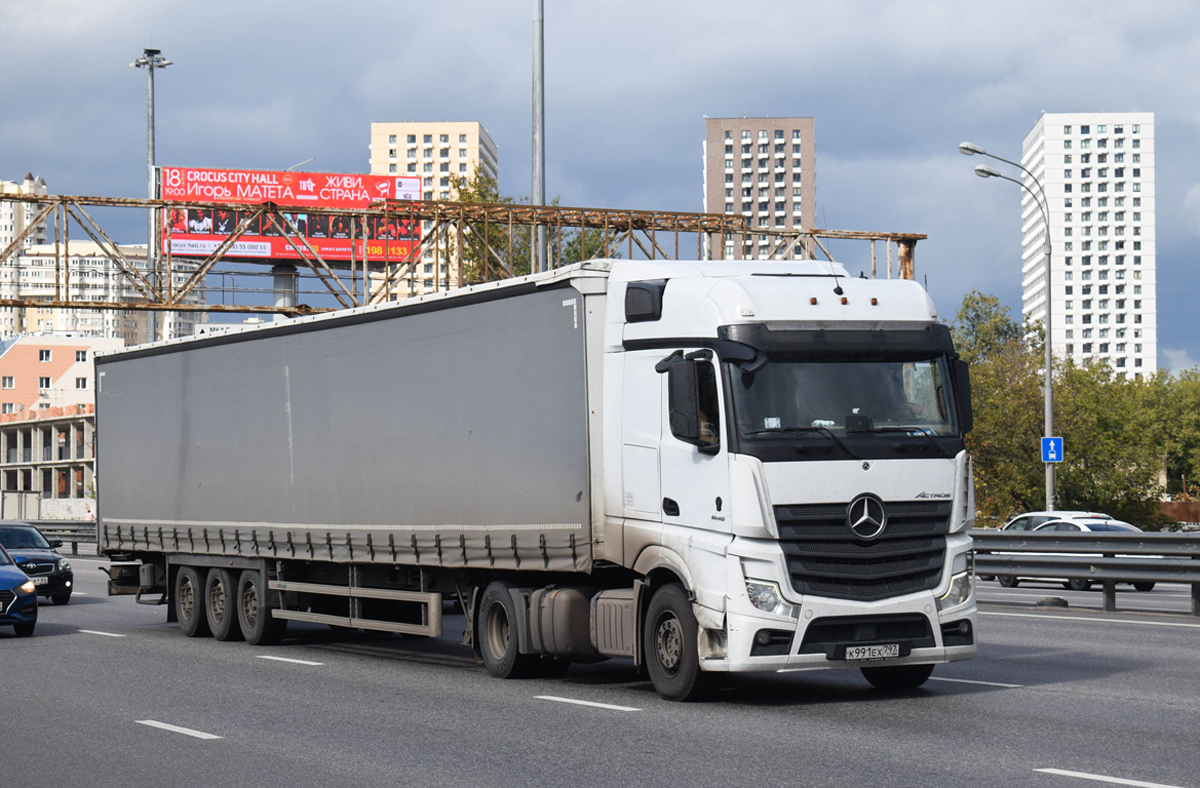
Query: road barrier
<point x="1103" y="557"/>
<point x="73" y="531"/>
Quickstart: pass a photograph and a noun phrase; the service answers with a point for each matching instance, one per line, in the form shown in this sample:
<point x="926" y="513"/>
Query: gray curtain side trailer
<point x="353" y="469"/>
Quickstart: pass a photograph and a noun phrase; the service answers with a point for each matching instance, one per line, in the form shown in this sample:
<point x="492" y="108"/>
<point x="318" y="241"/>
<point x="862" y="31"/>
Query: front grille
<point x="6" y="599"/>
<point x="831" y="635"/>
<point x="826" y="559"/>
<point x="36" y="568"/>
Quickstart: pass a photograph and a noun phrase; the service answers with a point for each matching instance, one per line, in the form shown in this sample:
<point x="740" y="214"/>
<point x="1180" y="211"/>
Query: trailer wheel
<point x="1008" y="581"/>
<point x="898" y="677"/>
<point x="219" y="605"/>
<point x="189" y="602"/>
<point x="259" y="626"/>
<point x="670" y="639"/>
<point x="497" y="631"/>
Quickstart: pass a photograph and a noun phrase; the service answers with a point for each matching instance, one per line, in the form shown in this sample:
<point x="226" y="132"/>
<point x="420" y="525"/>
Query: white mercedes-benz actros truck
<point x="706" y="468"/>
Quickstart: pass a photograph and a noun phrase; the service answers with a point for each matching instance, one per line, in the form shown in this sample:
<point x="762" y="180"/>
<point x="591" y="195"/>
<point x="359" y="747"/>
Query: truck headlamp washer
<point x="866" y="516"/>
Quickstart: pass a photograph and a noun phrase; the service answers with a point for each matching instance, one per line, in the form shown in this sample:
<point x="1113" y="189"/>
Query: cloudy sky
<point x="894" y="87"/>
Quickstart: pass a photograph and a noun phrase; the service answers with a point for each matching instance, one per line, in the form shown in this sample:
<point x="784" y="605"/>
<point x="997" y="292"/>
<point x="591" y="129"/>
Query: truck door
<point x="695" y="471"/>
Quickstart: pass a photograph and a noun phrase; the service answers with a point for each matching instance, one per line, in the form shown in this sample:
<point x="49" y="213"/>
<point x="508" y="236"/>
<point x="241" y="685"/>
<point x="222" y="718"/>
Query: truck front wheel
<point x="497" y="631"/>
<point x="259" y="627"/>
<point x="219" y="605"/>
<point x="670" y="645"/>
<point x="189" y="602"/>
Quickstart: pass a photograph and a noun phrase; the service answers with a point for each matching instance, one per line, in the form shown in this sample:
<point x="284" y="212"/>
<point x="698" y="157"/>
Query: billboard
<point x="197" y="232"/>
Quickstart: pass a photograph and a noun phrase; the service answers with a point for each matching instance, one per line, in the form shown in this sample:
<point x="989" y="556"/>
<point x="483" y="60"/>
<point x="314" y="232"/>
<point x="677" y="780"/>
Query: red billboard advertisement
<point x="197" y="232"/>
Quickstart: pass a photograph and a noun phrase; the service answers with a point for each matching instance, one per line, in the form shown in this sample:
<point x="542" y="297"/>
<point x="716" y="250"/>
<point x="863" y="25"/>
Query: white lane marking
<point x="1096" y="620"/>
<point x="1100" y="778"/>
<point x="80" y="593"/>
<point x="972" y="681"/>
<point x="176" y="729"/>
<point x="98" y="632"/>
<point x="586" y="703"/>
<point x="288" y="659"/>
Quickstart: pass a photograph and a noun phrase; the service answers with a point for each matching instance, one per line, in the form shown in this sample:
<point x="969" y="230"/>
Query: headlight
<point x="27" y="587"/>
<point x="962" y="581"/>
<point x="64" y="565"/>
<point x="765" y="596"/>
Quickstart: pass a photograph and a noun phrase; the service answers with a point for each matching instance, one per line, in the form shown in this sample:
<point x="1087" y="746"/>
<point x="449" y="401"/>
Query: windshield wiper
<point x="913" y="432"/>
<point x="804" y="430"/>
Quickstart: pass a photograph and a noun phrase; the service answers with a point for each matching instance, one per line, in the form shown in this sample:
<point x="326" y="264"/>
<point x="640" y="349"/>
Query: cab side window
<point x="710" y="409"/>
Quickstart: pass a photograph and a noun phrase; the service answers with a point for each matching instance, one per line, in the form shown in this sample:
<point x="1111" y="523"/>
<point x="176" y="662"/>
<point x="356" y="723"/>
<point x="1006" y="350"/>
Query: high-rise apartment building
<point x="764" y="169"/>
<point x="442" y="154"/>
<point x="1097" y="170"/>
<point x="32" y="275"/>
<point x="15" y="216"/>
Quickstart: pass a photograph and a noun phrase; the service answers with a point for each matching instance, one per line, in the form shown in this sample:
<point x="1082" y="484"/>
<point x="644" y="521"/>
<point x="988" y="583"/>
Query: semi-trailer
<point x="705" y="467"/>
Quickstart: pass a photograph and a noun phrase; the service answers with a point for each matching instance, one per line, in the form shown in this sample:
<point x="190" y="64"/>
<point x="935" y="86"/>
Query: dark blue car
<point x="35" y="555"/>
<point x="18" y="597"/>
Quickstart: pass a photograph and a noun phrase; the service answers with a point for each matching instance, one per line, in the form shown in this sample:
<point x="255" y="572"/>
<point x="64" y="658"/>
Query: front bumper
<point x="55" y="583"/>
<point x="881" y="623"/>
<point x="22" y="609"/>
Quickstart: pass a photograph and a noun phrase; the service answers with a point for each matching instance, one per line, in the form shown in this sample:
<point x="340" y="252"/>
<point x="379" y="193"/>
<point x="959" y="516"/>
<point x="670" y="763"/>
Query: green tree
<point x="983" y="327"/>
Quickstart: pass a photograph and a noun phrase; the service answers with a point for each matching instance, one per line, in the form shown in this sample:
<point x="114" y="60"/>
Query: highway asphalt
<point x="107" y="694"/>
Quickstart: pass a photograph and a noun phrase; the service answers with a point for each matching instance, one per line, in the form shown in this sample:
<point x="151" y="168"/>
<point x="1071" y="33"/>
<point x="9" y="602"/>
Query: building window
<point x="7" y="407"/>
<point x="43" y="383"/>
<point x="391" y="168"/>
<point x="412" y="139"/>
<point x="9" y="382"/>
<point x="81" y="383"/>
<point x="43" y="355"/>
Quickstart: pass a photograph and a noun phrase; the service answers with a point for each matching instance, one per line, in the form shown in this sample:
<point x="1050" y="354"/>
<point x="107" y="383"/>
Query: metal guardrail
<point x="1107" y="558"/>
<point x="72" y="531"/>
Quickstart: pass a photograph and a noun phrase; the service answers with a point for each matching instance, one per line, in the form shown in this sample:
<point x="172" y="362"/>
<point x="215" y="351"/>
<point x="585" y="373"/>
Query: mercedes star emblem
<point x="866" y="516"/>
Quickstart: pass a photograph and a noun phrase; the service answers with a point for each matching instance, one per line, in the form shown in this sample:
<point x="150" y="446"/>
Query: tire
<point x="24" y="630"/>
<point x="61" y="599"/>
<point x="220" y="608"/>
<point x="986" y="578"/>
<point x="1077" y="584"/>
<point x="898" y="677"/>
<point x="258" y="625"/>
<point x="670" y="645"/>
<point x="189" y="602"/>
<point x="1143" y="586"/>
<point x="497" y="633"/>
<point x="1008" y="581"/>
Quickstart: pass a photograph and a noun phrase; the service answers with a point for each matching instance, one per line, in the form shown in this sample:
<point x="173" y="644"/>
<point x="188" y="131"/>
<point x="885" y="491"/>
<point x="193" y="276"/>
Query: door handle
<point x="670" y="508"/>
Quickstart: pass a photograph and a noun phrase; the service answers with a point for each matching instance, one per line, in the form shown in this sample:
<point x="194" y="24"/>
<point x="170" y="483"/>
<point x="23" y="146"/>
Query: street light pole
<point x="150" y="60"/>
<point x="537" y="252"/>
<point x="1039" y="197"/>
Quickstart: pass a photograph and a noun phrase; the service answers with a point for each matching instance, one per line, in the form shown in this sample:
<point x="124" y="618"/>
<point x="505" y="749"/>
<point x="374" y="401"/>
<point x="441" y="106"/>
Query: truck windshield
<point x="844" y="397"/>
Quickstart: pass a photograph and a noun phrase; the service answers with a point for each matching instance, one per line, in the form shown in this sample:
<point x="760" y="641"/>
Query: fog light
<point x="68" y="584"/>
<point x="763" y="637"/>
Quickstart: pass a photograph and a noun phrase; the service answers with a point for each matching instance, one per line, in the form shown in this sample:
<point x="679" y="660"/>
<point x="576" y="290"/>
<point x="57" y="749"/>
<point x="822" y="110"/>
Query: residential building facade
<point x="32" y="274"/>
<point x="15" y="216"/>
<point x="765" y="169"/>
<point x="38" y="372"/>
<point x="1097" y="172"/>
<point x="47" y="464"/>
<point x="442" y="154"/>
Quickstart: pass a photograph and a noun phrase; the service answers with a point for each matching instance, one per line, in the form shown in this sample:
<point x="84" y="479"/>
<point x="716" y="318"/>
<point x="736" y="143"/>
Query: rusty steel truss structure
<point x="477" y="241"/>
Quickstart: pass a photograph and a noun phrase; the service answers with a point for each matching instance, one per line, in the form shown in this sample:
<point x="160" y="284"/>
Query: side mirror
<point x="56" y="543"/>
<point x="962" y="395"/>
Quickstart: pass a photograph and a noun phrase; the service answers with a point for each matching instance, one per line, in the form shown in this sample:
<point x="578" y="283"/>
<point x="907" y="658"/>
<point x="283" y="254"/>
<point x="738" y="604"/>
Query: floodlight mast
<point x="151" y="60"/>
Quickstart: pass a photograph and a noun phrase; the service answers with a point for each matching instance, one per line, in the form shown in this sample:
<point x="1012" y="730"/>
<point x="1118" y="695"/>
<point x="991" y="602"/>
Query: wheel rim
<point x="250" y="604"/>
<point x="497" y="631"/>
<point x="216" y="600"/>
<point x="187" y="599"/>
<point x="668" y="643"/>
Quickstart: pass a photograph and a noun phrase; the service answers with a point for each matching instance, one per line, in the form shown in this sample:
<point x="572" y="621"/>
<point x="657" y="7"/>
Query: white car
<point x="1085" y="521"/>
<point x="1031" y="520"/>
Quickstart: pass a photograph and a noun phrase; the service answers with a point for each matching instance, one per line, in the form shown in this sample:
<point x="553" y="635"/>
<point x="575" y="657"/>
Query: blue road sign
<point x="1052" y="450"/>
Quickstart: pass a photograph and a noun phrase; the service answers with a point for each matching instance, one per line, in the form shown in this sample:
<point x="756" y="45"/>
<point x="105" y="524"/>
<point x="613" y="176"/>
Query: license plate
<point x="40" y="581"/>
<point x="861" y="653"/>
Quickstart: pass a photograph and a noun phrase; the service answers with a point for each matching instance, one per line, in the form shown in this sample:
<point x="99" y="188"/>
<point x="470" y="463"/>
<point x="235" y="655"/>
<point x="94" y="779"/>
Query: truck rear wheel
<point x="497" y="631"/>
<point x="189" y="602"/>
<point x="259" y="627"/>
<point x="219" y="605"/>
<point x="670" y="645"/>
<point x="898" y="677"/>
